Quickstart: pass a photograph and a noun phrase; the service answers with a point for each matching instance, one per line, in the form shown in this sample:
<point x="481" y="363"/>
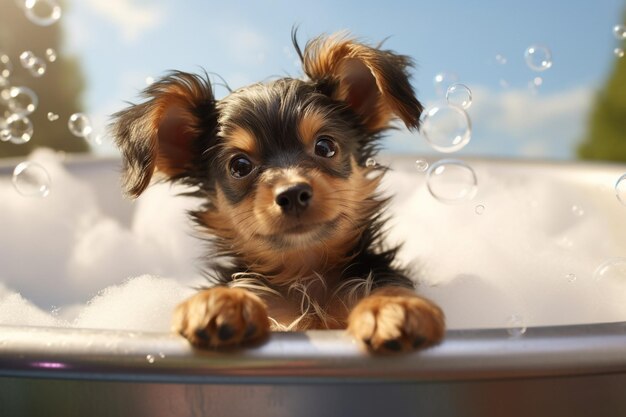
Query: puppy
<point x="290" y="204"/>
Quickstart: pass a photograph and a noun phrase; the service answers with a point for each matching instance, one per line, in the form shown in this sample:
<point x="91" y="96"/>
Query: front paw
<point x="396" y="321"/>
<point x="222" y="317"/>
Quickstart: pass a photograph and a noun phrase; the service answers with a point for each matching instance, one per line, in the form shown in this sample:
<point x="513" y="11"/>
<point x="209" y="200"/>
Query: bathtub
<point x="573" y="370"/>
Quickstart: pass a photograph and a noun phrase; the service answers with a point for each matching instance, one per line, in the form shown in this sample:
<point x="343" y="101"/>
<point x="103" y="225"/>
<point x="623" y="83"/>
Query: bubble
<point x="37" y="68"/>
<point x="613" y="269"/>
<point x="459" y="95"/>
<point x="451" y="181"/>
<point x="480" y="209"/>
<point x="446" y="128"/>
<point x="53" y="116"/>
<point x="620" y="189"/>
<point x="578" y="210"/>
<point x="150" y="358"/>
<point x="18" y="129"/>
<point x="515" y="326"/>
<point x="619" y="31"/>
<point x="538" y="58"/>
<point x="619" y="52"/>
<point x="421" y="165"/>
<point x="442" y="80"/>
<point x="149" y="80"/>
<point x="6" y="67"/>
<point x="501" y="59"/>
<point x="22" y="100"/>
<point x="31" y="180"/>
<point x="42" y="12"/>
<point x="503" y="83"/>
<point x="51" y="55"/>
<point x="79" y="125"/>
<point x="27" y="58"/>
<point x="370" y="163"/>
<point x="570" y="277"/>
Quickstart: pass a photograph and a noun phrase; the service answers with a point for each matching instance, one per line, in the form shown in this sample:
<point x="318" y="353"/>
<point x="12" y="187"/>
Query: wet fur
<point x="309" y="279"/>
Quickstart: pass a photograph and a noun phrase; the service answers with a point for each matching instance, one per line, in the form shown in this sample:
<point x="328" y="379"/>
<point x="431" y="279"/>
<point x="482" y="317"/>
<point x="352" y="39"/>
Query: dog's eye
<point x="325" y="146"/>
<point x="240" y="166"/>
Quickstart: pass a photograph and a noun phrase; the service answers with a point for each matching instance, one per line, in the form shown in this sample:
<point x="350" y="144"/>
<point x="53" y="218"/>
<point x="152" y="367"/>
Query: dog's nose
<point x="294" y="198"/>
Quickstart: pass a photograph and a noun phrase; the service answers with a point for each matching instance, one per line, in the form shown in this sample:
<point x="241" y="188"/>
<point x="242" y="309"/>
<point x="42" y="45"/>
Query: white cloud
<point x="130" y="16"/>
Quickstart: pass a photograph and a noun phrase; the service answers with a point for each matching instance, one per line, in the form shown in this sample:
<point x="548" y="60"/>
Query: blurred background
<point x="547" y="79"/>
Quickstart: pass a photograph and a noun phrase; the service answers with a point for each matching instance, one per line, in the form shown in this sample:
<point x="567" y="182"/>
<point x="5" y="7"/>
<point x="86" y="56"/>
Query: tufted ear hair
<point x="373" y="82"/>
<point x="163" y="133"/>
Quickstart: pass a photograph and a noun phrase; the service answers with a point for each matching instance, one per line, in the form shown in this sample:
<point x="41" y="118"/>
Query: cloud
<point x="131" y="17"/>
<point x="515" y="123"/>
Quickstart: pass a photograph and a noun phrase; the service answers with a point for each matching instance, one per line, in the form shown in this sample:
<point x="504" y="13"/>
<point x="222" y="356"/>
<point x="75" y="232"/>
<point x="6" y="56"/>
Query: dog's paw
<point x="222" y="317"/>
<point x="388" y="322"/>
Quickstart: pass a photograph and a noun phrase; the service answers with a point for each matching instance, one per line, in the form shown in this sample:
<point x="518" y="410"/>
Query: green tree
<point x="606" y="135"/>
<point x="59" y="89"/>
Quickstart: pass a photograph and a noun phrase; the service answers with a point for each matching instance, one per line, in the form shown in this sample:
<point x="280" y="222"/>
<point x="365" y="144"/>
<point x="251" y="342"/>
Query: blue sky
<point x="121" y="42"/>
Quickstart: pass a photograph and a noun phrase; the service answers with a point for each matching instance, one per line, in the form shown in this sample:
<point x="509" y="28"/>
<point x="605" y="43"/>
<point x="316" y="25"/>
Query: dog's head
<point x="282" y="163"/>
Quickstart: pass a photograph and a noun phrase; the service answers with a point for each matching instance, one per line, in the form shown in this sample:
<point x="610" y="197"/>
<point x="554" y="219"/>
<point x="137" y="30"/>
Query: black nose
<point x="294" y="198"/>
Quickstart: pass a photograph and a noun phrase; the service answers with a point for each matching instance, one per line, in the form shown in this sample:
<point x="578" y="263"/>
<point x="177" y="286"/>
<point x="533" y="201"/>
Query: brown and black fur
<point x="297" y="241"/>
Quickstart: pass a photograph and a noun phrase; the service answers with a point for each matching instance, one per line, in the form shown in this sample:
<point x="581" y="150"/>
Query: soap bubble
<point x="22" y="100"/>
<point x="446" y="128"/>
<point x="53" y="116"/>
<point x="150" y="358"/>
<point x="459" y="95"/>
<point x="619" y="31"/>
<point x="451" y="181"/>
<point x="51" y="55"/>
<point x="31" y="180"/>
<point x="149" y="80"/>
<point x="442" y="80"/>
<point x="480" y="209"/>
<point x="538" y="58"/>
<point x="38" y="67"/>
<point x="79" y="125"/>
<point x="501" y="59"/>
<point x="5" y="66"/>
<point x="578" y="210"/>
<point x="620" y="189"/>
<point x="571" y="277"/>
<point x="370" y="162"/>
<point x="18" y="129"/>
<point x="613" y="269"/>
<point x="515" y="326"/>
<point x="421" y="165"/>
<point x="42" y="12"/>
<point x="27" y="58"/>
<point x="619" y="52"/>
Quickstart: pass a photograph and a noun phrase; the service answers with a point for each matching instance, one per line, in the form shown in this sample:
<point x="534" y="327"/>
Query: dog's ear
<point x="163" y="133"/>
<point x="373" y="82"/>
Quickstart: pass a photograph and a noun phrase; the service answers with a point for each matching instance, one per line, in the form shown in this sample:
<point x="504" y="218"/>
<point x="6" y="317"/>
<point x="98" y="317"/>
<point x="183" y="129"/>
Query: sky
<point x="121" y="42"/>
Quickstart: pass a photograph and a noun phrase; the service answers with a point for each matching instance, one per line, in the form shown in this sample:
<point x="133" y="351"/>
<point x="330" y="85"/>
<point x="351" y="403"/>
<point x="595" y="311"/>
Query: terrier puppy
<point x="290" y="203"/>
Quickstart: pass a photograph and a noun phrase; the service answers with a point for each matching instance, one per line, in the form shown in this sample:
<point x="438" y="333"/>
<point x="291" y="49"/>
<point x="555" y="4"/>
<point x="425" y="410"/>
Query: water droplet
<point x="578" y="210"/>
<point x="22" y="100"/>
<point x="515" y="326"/>
<point x="500" y="59"/>
<point x="620" y="189"/>
<point x="6" y="67"/>
<point x="571" y="277"/>
<point x="480" y="209"/>
<point x="451" y="181"/>
<point x="51" y="55"/>
<point x="619" y="31"/>
<point x="538" y="58"/>
<point x="18" y="129"/>
<point x="446" y="128"/>
<point x="79" y="125"/>
<point x="149" y="80"/>
<point x="31" y="180"/>
<point x="613" y="269"/>
<point x="459" y="95"/>
<point x="421" y="165"/>
<point x="37" y="68"/>
<point x="52" y="116"/>
<point x="503" y="83"/>
<point x="27" y="58"/>
<point x="619" y="52"/>
<point x="150" y="358"/>
<point x="442" y="80"/>
<point x="42" y="12"/>
<point x="370" y="162"/>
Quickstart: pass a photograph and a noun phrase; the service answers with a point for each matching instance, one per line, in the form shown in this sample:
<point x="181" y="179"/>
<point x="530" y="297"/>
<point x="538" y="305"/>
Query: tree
<point x="59" y="89"/>
<point x="606" y="136"/>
